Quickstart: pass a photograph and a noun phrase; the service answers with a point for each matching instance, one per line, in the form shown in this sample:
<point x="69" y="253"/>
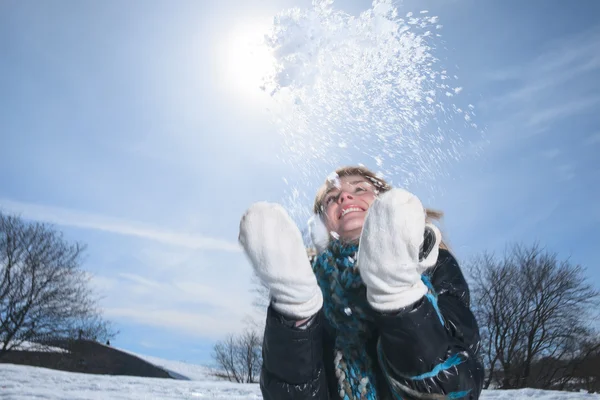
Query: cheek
<point x="369" y="199"/>
<point x="330" y="220"/>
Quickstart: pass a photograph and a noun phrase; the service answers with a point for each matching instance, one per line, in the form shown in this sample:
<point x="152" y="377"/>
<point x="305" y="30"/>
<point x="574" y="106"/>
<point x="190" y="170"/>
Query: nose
<point x="344" y="196"/>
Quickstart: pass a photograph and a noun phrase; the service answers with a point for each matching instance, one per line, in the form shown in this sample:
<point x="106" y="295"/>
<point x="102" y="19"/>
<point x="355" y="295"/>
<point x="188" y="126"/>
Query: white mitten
<point x="388" y="256"/>
<point x="274" y="245"/>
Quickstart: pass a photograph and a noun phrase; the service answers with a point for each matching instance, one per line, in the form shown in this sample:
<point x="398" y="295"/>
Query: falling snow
<point x="362" y="88"/>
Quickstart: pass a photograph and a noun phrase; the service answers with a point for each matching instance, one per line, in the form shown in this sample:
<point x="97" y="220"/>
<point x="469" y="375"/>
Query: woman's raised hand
<point x="274" y="245"/>
<point x="389" y="250"/>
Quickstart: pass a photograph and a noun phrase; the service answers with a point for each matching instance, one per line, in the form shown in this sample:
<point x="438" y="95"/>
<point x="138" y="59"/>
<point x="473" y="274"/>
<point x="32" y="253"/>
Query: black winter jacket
<point x="419" y="357"/>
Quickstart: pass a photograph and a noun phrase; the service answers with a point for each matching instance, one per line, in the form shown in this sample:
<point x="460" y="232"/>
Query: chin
<point x="351" y="233"/>
<point x="353" y="225"/>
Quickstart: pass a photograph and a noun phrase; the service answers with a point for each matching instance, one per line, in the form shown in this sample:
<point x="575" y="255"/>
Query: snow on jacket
<point x="428" y="351"/>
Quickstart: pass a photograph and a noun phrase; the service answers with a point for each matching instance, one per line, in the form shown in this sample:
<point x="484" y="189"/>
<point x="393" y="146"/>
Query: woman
<point x="382" y="313"/>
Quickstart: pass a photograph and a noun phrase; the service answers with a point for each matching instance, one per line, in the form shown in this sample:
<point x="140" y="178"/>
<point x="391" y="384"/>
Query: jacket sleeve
<point x="293" y="360"/>
<point x="430" y="350"/>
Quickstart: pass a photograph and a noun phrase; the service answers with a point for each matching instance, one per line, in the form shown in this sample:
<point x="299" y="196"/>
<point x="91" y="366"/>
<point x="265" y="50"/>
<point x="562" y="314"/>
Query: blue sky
<point x="132" y="127"/>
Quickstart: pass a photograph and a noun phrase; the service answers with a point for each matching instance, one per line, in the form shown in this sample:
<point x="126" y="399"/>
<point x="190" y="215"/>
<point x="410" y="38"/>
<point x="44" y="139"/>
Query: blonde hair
<point x="379" y="183"/>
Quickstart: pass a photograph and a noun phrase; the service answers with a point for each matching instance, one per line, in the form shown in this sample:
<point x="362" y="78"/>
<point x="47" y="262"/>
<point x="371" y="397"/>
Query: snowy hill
<point x="180" y="370"/>
<point x="22" y="383"/>
<point x="175" y="369"/>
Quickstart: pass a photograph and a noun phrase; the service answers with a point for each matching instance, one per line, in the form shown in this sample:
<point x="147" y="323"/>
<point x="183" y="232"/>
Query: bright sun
<point x="246" y="60"/>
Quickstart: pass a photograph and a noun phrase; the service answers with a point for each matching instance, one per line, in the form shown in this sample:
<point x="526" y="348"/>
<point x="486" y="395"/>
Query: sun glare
<point x="246" y="61"/>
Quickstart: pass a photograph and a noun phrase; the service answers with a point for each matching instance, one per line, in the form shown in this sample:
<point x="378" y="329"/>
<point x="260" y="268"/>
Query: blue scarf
<point x="347" y="311"/>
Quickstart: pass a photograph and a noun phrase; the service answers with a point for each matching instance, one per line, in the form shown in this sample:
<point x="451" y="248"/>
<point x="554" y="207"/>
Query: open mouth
<point x="349" y="210"/>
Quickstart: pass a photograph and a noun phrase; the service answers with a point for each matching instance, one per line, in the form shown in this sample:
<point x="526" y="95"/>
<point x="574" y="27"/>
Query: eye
<point x="331" y="198"/>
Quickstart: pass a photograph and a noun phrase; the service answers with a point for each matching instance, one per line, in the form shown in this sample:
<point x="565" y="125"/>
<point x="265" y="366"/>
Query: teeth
<point x="351" y="209"/>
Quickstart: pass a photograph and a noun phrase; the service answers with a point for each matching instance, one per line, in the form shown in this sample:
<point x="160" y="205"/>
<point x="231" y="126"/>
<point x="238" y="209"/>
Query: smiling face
<point x="345" y="205"/>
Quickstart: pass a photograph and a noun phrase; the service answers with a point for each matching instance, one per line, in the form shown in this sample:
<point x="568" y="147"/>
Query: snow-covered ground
<point x="23" y="383"/>
<point x="523" y="394"/>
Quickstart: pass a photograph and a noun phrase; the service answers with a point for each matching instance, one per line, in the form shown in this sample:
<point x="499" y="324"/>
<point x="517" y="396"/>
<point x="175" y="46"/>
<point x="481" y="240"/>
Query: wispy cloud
<point x="537" y="94"/>
<point x="173" y="282"/>
<point x="191" y="304"/>
<point x="562" y="59"/>
<point x="559" y="64"/>
<point x="546" y="115"/>
<point x="199" y="324"/>
<point x="78" y="219"/>
<point x="199" y="293"/>
<point x="139" y="279"/>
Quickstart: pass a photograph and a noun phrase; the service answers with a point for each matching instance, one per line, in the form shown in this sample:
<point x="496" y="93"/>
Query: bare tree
<point x="240" y="356"/>
<point x="530" y="306"/>
<point x="44" y="293"/>
<point x="250" y="354"/>
<point x="225" y="356"/>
